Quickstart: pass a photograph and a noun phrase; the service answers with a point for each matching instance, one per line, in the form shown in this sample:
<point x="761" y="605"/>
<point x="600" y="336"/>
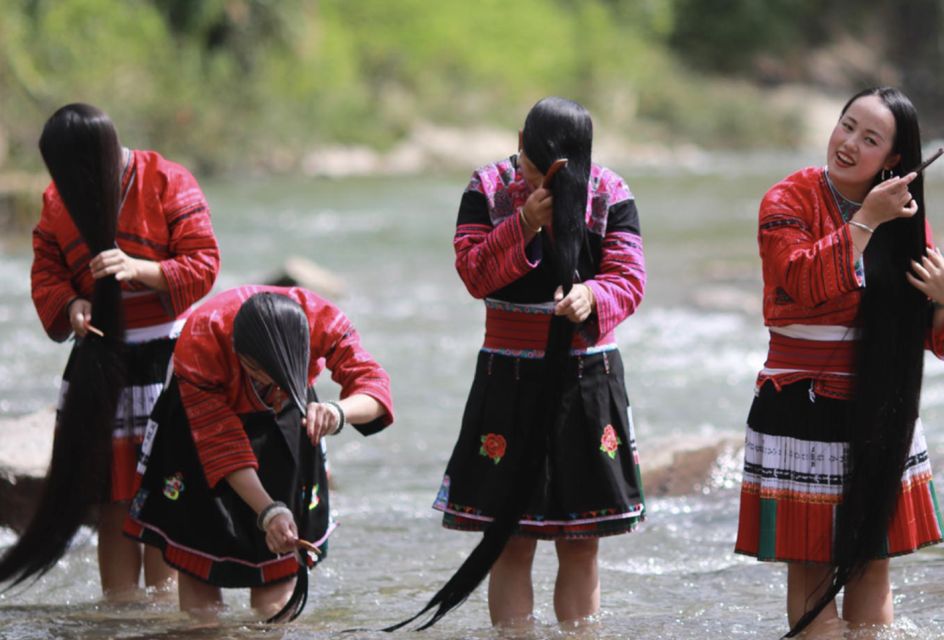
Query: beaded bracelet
<point x="269" y="513"/>
<point x="340" y="411"/>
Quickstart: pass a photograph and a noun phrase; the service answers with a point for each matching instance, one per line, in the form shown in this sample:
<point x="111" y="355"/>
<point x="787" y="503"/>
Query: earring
<point x="886" y="174"/>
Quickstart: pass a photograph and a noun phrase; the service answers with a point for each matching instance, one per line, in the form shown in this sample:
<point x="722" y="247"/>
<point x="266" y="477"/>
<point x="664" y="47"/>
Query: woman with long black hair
<point x="836" y="471"/>
<point x="233" y="462"/>
<point x="546" y="448"/>
<point x="123" y="248"/>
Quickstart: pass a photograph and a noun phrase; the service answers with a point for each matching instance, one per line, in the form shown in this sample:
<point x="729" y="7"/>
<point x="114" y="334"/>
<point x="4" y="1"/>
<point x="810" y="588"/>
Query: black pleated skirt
<point x="590" y="485"/>
<point x="210" y="533"/>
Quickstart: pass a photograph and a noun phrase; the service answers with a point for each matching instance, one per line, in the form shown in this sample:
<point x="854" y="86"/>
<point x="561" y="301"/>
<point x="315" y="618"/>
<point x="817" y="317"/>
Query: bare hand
<point x="282" y="534"/>
<point x="539" y="208"/>
<point x="888" y="200"/>
<point x="114" y="262"/>
<point x="80" y="314"/>
<point x="320" y="420"/>
<point x="577" y="305"/>
<point x="928" y="276"/>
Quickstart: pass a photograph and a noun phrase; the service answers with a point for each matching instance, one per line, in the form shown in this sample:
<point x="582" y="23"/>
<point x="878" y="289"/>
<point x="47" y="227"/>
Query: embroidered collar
<point x="847" y="207"/>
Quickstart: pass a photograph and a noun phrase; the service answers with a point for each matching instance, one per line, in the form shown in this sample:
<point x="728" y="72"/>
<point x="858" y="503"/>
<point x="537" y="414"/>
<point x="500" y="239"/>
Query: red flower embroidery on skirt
<point x="493" y="446"/>
<point x="610" y="441"/>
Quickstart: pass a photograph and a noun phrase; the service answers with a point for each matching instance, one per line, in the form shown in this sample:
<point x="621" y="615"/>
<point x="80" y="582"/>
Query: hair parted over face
<point x="272" y="332"/>
<point x="557" y="128"/>
<point x="80" y="147"/>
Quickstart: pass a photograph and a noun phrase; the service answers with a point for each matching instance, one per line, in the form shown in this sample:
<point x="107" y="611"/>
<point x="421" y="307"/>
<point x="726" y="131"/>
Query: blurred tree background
<point x="237" y="84"/>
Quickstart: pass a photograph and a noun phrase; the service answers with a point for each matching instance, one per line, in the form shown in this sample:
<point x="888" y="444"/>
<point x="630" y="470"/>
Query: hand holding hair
<point x="927" y="276"/>
<point x="887" y="201"/>
<point x="577" y="305"/>
<point x="322" y="419"/>
<point x="538" y="210"/>
<point x="281" y="533"/>
<point x="115" y="262"/>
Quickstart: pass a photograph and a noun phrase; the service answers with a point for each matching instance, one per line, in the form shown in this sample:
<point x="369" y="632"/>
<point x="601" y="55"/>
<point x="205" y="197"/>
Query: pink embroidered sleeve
<point x="488" y="258"/>
<point x="620" y="284"/>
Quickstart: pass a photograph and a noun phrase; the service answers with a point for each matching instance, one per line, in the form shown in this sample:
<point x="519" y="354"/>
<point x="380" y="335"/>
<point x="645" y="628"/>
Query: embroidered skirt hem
<point x="794" y="473"/>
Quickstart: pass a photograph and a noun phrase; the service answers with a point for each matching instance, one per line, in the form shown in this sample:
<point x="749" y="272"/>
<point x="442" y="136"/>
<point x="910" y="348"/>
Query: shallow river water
<point x="692" y="352"/>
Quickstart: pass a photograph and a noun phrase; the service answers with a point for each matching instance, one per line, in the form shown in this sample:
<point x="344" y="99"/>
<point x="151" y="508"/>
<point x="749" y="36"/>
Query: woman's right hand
<point x="281" y="534"/>
<point x="538" y="209"/>
<point x="888" y="200"/>
<point x="80" y="314"/>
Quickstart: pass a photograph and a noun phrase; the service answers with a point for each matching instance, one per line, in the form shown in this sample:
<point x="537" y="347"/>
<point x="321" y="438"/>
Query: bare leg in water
<point x="577" y="590"/>
<point x="510" y="591"/>
<point x="120" y="558"/>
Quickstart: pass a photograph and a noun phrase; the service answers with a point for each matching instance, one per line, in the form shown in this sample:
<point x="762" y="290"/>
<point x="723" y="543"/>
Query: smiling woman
<point x="835" y="448"/>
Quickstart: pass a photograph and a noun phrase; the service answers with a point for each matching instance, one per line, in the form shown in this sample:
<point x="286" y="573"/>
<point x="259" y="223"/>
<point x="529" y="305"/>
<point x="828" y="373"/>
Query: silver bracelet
<point x="337" y="407"/>
<point x="269" y="513"/>
<point x="864" y="227"/>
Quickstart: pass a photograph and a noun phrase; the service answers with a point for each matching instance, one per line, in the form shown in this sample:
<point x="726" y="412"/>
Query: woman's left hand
<point x="281" y="534"/>
<point x="577" y="305"/>
<point x="114" y="262"/>
<point x="928" y="276"/>
<point x="320" y="420"/>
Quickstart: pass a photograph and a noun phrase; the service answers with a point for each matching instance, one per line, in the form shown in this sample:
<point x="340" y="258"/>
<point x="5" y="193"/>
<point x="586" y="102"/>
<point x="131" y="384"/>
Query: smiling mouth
<point x="844" y="160"/>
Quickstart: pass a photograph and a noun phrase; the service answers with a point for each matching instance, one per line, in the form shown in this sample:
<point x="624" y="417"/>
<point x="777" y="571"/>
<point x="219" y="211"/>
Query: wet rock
<point x="690" y="465"/>
<point x="301" y="272"/>
<point x="25" y="446"/>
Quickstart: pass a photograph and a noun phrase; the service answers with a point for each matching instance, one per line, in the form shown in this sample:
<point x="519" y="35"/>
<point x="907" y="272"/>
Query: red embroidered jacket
<point x="164" y="217"/>
<point x="215" y="390"/>
<point x="809" y="272"/>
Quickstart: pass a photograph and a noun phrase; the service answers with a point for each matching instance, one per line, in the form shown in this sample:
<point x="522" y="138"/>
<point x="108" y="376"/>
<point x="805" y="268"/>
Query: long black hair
<point x="272" y="330"/>
<point x="554" y="128"/>
<point x="80" y="147"/>
<point x="893" y="320"/>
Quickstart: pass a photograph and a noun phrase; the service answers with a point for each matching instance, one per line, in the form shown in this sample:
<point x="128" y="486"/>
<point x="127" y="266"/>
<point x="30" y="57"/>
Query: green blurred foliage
<point x="235" y="83"/>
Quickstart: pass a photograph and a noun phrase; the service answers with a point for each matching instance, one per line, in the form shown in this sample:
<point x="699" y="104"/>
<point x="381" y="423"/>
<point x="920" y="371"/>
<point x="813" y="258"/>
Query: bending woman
<point x="547" y="427"/>
<point x="233" y="464"/>
<point x="836" y="471"/>
<point x="124" y="247"/>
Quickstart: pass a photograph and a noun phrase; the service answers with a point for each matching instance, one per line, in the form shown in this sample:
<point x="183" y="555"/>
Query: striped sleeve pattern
<point x="810" y="271"/>
<point x="50" y="278"/>
<point x="351" y="366"/>
<point x="195" y="257"/>
<point x="488" y="258"/>
<point x="619" y="285"/>
<point x="218" y="434"/>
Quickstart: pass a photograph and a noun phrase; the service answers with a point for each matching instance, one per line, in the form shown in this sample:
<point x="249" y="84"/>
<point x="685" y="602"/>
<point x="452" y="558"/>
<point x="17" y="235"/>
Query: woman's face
<point x="861" y="146"/>
<point x="255" y="371"/>
<point x="532" y="175"/>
